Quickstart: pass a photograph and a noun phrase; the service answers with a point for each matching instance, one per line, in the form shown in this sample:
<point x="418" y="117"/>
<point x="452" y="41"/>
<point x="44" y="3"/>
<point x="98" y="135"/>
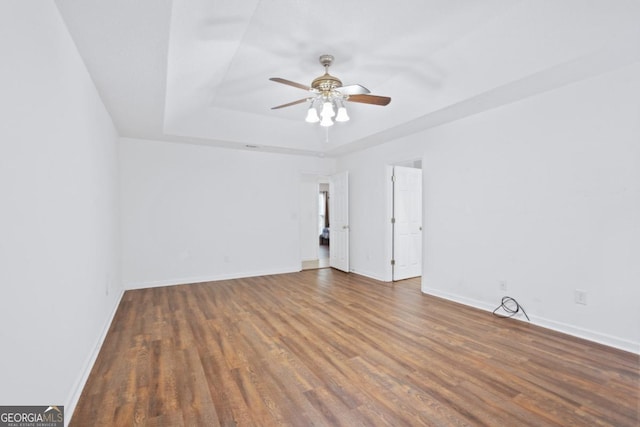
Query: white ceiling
<point x="197" y="71"/>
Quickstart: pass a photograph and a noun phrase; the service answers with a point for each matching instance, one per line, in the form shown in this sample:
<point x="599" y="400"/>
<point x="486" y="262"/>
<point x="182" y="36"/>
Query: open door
<point x="407" y="223"/>
<point x="339" y="231"/>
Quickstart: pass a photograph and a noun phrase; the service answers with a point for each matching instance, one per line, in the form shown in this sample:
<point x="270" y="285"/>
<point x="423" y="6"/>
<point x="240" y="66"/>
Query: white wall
<point x="370" y="203"/>
<point x="194" y="213"/>
<point x="59" y="273"/>
<point x="543" y="194"/>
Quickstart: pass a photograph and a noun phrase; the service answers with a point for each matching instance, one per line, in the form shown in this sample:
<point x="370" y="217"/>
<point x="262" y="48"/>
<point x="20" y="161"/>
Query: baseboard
<point x="458" y="298"/>
<point x="368" y="274"/>
<point x="212" y="278"/>
<point x="597" y="337"/>
<point x="76" y="391"/>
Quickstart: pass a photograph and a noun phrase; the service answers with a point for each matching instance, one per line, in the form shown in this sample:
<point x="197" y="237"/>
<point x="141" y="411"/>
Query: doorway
<point x="324" y="221"/>
<point x="324" y="226"/>
<point x="314" y="221"/>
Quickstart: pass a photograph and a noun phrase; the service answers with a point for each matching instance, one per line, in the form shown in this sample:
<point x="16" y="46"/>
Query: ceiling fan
<point x="328" y="95"/>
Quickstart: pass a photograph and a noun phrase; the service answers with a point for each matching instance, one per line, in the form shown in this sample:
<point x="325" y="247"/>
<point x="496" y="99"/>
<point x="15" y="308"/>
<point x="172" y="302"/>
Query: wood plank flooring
<point x="322" y="347"/>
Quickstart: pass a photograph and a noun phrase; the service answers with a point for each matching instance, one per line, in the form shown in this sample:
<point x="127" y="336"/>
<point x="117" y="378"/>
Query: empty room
<point x="286" y="212"/>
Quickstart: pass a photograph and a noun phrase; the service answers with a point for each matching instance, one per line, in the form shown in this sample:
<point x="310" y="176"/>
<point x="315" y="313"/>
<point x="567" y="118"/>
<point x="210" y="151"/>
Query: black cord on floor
<point x="511" y="307"/>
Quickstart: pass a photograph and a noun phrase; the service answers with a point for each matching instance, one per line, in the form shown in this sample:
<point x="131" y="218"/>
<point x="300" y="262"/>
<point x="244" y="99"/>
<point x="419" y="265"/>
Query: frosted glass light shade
<point x="342" y="115"/>
<point x="326" y="121"/>
<point x="312" y="116"/>
<point x="327" y="110"/>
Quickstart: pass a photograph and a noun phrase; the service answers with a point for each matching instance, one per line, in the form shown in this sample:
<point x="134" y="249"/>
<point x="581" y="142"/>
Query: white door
<point x="407" y="228"/>
<point x="339" y="221"/>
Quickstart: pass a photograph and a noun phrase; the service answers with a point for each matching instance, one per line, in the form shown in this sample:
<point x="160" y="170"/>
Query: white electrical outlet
<point x="580" y="296"/>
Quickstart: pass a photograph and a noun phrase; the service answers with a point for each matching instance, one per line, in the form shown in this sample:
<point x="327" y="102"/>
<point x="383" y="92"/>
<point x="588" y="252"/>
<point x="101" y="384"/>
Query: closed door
<point x="339" y="226"/>
<point x="407" y="227"/>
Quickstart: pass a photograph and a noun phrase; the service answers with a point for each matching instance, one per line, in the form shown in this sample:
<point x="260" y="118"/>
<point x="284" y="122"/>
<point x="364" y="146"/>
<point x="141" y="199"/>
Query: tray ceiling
<point x="197" y="71"/>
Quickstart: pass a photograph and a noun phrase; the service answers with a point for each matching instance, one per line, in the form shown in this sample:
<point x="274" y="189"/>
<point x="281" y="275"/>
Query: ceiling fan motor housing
<point x="327" y="82"/>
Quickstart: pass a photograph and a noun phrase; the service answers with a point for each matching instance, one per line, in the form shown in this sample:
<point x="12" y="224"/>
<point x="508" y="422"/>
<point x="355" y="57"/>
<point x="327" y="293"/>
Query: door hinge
<point x="393" y="262"/>
<point x="393" y="220"/>
<point x="393" y="178"/>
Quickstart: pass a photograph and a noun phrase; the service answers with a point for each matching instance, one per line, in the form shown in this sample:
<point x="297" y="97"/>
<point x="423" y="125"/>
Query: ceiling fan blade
<point x="370" y="99"/>
<point x="290" y="83"/>
<point x="353" y="90"/>
<point x="299" y="101"/>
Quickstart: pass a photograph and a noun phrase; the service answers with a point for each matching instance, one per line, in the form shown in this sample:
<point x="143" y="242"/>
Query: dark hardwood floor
<point x="322" y="347"/>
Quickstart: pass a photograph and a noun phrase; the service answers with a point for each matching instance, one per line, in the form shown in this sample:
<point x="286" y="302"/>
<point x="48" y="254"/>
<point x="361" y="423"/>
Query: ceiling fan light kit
<point x="328" y="96"/>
